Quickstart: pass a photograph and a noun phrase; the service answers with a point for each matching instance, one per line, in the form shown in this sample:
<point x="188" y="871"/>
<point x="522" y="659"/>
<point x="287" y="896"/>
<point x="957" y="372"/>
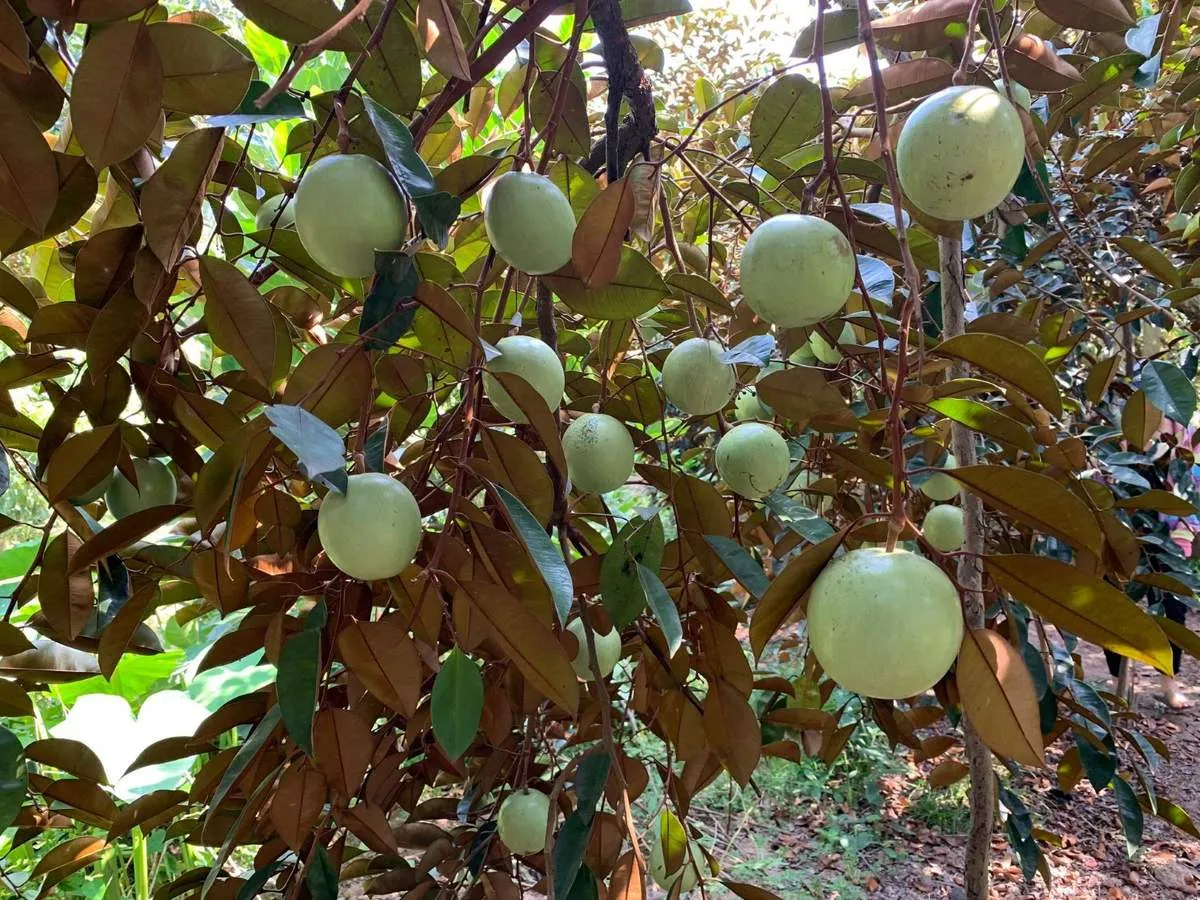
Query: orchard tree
<point x="526" y="426"/>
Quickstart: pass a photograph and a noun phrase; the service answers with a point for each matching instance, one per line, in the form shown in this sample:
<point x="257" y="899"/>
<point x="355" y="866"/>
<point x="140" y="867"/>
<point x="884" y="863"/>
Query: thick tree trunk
<point x="979" y="757"/>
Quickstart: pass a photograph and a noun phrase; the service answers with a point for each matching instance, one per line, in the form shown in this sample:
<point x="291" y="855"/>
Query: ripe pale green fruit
<point x="797" y="270"/>
<point x="94" y="494"/>
<point x="826" y="353"/>
<point x="884" y="625"/>
<point x="521" y="822"/>
<point x="608" y="651"/>
<point x="599" y="452"/>
<point x="803" y="355"/>
<point x="1020" y="93"/>
<point x="347" y="207"/>
<point x="266" y="213"/>
<point x="372" y="531"/>
<point x="688" y="872"/>
<point x="155" y="487"/>
<point x="529" y="222"/>
<point x="944" y="528"/>
<point x="753" y="459"/>
<point x="960" y="152"/>
<point x="695" y="379"/>
<point x="747" y="406"/>
<point x="941" y="487"/>
<point x="533" y="360"/>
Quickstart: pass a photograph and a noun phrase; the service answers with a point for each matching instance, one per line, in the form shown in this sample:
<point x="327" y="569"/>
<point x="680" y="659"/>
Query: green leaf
<point x="1013" y="362"/>
<point x="457" y="703"/>
<point x="319" y="448"/>
<point x="255" y="883"/>
<point x="986" y="420"/>
<point x="322" y="878"/>
<point x="620" y="585"/>
<point x="246" y="753"/>
<point x="1170" y="390"/>
<point x="584" y="887"/>
<point x="739" y="561"/>
<point x="798" y="517"/>
<point x="545" y="555"/>
<point x="787" y="116"/>
<point x="590" y="778"/>
<point x="636" y="289"/>
<point x="437" y="213"/>
<point x="296" y="685"/>
<point x="641" y="12"/>
<point x="13" y="779"/>
<point x="389" y="309"/>
<point x="406" y="162"/>
<point x="285" y="106"/>
<point x="663" y="607"/>
<point x="1132" y="820"/>
<point x="840" y="32"/>
<point x="572" y="839"/>
<point x="1099" y="765"/>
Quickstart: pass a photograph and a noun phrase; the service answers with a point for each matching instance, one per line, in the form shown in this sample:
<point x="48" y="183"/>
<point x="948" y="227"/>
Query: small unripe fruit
<point x="885" y="625"/>
<point x="608" y="651"/>
<point x="155" y="487"/>
<point x="695" y="379"/>
<point x="753" y="459"/>
<point x="95" y="493"/>
<point x="940" y="486"/>
<point x="372" y="531"/>
<point x="689" y="869"/>
<point x="347" y="207"/>
<point x="960" y="152"/>
<point x="599" y="452"/>
<point x="521" y="822"/>
<point x="797" y="270"/>
<point x="747" y="406"/>
<point x="1020" y="93"/>
<point x="529" y="222"/>
<point x="944" y="528"/>
<point x="266" y="213"/>
<point x="533" y="360"/>
<point x="827" y="353"/>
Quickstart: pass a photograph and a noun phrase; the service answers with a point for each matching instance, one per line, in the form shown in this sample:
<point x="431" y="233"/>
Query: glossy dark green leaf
<point x="285" y="106"/>
<point x="322" y="877"/>
<point x="739" y="561"/>
<point x="255" y="883"/>
<point x="663" y="607"/>
<point x="245" y="755"/>
<point x="584" y="887"/>
<point x="389" y="309"/>
<point x="545" y="555"/>
<point x="1099" y="765"/>
<point x="13" y="778"/>
<point x="319" y="448"/>
<point x="457" y="703"/>
<point x="1170" y="390"/>
<point x="296" y="684"/>
<point x="437" y="212"/>
<point x="755" y="350"/>
<point x="798" y="517"/>
<point x="406" y="163"/>
<point x="1132" y="820"/>
<point x="638" y="542"/>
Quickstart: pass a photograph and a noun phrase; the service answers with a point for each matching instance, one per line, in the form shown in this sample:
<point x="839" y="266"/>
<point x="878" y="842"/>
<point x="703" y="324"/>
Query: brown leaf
<point x="925" y="26"/>
<point x="370" y="825"/>
<point x="1033" y="63"/>
<point x="70" y="756"/>
<point x="120" y="321"/>
<point x="1088" y="15"/>
<point x="14" y="42"/>
<point x="784" y="599"/>
<point x="700" y="510"/>
<point x="439" y="37"/>
<point x="905" y="80"/>
<point x="331" y="383"/>
<point x="946" y="773"/>
<point x="1140" y="419"/>
<point x="81" y="462"/>
<point x="70" y="856"/>
<point x="1013" y="362"/>
<point x="239" y="319"/>
<point x="733" y="731"/>
<point x="115" y="638"/>
<point x="442" y="304"/>
<point x="600" y="234"/>
<point x="383" y="657"/>
<point x="515" y="466"/>
<point x="1163" y="501"/>
<point x="342" y="746"/>
<point x="117" y="95"/>
<point x="628" y="881"/>
<point x="122" y="533"/>
<point x="541" y="418"/>
<point x="297" y="21"/>
<point x="203" y="73"/>
<point x="12" y="640"/>
<point x="88" y="11"/>
<point x="1035" y="500"/>
<point x="803" y="395"/>
<point x="997" y="696"/>
<point x="1082" y="604"/>
<point x="28" y="172"/>
<point x="67" y="599"/>
<point x="297" y="804"/>
<point x="526" y="641"/>
<point x="172" y="197"/>
<point x="144" y="809"/>
<point x="749" y="891"/>
<point x="1100" y="377"/>
<point x="88" y="801"/>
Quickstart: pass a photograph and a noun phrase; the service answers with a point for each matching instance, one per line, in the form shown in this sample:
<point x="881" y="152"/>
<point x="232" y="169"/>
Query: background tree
<point x="251" y="283"/>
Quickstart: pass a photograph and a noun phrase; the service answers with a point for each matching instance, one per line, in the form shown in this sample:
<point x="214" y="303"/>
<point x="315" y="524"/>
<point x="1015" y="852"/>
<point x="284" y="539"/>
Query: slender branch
<point x="311" y="50"/>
